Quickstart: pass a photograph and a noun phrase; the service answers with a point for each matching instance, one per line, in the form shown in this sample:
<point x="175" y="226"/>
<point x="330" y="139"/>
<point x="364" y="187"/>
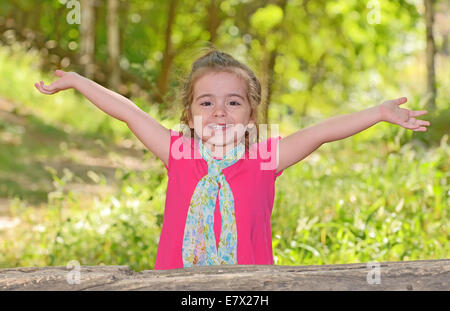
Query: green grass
<point x="381" y="195"/>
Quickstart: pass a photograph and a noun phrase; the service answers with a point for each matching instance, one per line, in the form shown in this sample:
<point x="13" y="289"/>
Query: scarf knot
<point x="214" y="170"/>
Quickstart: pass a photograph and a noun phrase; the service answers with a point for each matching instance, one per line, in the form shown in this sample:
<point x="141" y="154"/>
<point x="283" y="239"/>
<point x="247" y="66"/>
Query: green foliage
<point x="380" y="195"/>
<point x="116" y="230"/>
<point x="379" y="206"/>
<point x="20" y="68"/>
<point x="265" y="19"/>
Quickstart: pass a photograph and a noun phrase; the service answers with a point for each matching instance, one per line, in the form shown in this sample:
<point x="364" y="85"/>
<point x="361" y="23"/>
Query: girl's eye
<point x="233" y="103"/>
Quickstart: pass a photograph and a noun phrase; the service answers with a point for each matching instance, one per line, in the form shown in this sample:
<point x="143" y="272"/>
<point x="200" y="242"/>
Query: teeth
<point x="220" y="126"/>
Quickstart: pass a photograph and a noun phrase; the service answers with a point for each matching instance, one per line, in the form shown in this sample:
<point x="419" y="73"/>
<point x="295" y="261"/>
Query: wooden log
<point x="420" y="275"/>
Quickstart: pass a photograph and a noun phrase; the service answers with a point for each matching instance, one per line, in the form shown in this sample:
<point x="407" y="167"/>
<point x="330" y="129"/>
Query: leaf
<point x="265" y="19"/>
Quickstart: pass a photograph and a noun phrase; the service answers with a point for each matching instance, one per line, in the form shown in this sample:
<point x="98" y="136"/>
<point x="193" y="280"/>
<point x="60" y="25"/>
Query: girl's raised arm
<point x="300" y="144"/>
<point x="149" y="131"/>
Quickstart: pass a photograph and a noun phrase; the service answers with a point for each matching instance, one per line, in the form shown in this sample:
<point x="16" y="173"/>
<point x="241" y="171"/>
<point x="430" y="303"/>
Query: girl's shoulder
<point x="266" y="153"/>
<point x="182" y="142"/>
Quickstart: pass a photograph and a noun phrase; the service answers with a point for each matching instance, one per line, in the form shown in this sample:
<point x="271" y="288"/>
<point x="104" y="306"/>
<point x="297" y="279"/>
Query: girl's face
<point x="220" y="110"/>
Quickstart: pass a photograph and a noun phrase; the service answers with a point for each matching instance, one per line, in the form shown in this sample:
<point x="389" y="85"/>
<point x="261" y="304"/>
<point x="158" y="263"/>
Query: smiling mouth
<point x="220" y="126"/>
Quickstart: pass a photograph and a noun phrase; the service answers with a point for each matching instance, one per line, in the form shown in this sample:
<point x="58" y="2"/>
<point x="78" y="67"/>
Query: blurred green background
<point x="75" y="184"/>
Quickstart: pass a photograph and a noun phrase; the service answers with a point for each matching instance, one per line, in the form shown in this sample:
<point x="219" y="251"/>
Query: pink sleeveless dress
<point x="252" y="181"/>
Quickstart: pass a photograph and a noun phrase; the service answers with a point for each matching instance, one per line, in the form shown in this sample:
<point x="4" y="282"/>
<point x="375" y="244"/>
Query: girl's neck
<point x="218" y="151"/>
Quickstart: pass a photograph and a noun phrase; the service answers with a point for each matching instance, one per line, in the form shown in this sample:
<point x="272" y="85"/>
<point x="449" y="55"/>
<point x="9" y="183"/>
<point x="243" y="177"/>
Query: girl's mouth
<point x="220" y="127"/>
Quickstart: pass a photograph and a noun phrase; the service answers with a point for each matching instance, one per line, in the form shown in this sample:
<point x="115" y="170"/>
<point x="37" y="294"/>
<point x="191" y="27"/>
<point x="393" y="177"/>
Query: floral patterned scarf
<point x="199" y="243"/>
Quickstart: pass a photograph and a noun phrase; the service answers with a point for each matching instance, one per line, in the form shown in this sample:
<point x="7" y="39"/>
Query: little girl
<point x="221" y="183"/>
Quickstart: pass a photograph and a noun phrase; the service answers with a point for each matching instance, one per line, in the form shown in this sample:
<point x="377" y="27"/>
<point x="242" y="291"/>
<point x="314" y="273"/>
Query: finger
<point x="418" y="125"/>
<point x="42" y="90"/>
<point x="44" y="87"/>
<point x="418" y="113"/>
<point x="414" y="124"/>
<point x="420" y="129"/>
<point x="36" y="85"/>
<point x="417" y="122"/>
<point x="422" y="122"/>
<point x="48" y="88"/>
<point x="400" y="100"/>
<point x="59" y="73"/>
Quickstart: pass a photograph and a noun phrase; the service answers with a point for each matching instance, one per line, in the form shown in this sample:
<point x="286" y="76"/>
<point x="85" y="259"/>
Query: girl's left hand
<point x="392" y="113"/>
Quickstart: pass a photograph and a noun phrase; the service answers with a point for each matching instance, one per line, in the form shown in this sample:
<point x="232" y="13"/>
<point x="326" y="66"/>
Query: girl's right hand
<point x="65" y="82"/>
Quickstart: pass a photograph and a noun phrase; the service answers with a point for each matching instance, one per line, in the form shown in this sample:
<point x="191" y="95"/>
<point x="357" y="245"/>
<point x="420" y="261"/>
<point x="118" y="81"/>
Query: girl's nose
<point x="219" y="111"/>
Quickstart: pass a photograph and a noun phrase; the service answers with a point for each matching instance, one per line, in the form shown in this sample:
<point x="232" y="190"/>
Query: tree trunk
<point x="168" y="55"/>
<point x="87" y="37"/>
<point x="113" y="44"/>
<point x="266" y="81"/>
<point x="316" y="75"/>
<point x="124" y="8"/>
<point x="267" y="72"/>
<point x="213" y="19"/>
<point x="418" y="275"/>
<point x="430" y="52"/>
<point x="445" y="45"/>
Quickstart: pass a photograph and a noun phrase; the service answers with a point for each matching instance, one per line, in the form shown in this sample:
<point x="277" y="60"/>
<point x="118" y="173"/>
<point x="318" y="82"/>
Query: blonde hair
<point x="217" y="61"/>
